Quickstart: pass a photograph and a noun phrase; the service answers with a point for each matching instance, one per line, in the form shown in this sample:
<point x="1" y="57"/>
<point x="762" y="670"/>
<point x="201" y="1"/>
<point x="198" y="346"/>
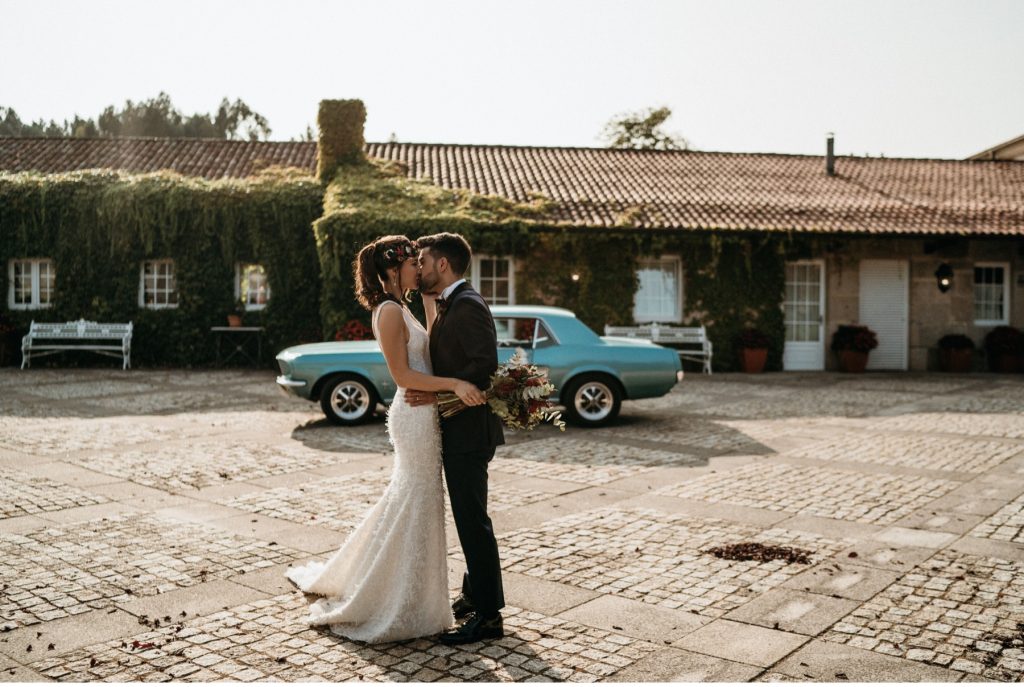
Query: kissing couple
<point x="389" y="579"/>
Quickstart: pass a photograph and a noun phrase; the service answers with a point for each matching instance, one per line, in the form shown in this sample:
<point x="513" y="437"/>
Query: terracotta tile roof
<point x="632" y="188"/>
<point x="697" y="190"/>
<point x="210" y="158"/>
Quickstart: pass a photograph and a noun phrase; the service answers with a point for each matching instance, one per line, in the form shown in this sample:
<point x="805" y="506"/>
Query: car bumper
<point x="291" y="387"/>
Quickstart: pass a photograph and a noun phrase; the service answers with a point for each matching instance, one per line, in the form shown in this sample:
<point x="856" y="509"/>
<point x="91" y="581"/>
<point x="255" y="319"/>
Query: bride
<point x="389" y="580"/>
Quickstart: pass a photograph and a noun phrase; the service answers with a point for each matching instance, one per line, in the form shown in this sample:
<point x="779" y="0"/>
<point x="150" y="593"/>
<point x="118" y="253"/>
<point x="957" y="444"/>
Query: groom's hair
<point x="452" y="246"/>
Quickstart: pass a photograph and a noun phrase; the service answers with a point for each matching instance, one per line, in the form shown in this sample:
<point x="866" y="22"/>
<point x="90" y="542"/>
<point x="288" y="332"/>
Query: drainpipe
<point x="830" y="155"/>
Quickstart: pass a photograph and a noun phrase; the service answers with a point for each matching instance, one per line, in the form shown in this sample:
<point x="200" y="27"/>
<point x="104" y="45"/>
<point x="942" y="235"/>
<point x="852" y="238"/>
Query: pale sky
<point x="902" y="78"/>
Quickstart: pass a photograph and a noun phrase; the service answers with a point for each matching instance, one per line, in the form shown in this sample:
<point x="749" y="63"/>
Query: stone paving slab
<point x="1005" y="525"/>
<point x="839" y="494"/>
<point x="956" y="611"/>
<point x="655" y="557"/>
<point x="819" y="661"/>
<point x="208" y="484"/>
<point x="25" y="494"/>
<point x="268" y="638"/>
<point x="77" y="568"/>
<point x="916" y="451"/>
<point x="195" y="466"/>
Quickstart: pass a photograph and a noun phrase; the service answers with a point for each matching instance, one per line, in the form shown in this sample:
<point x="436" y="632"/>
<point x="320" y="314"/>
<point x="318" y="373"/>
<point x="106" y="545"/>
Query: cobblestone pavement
<point x="771" y="528"/>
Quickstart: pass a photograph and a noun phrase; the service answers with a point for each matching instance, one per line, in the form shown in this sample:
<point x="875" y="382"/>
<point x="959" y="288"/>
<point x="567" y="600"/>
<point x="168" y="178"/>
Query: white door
<point x="804" y="308"/>
<point x="884" y="295"/>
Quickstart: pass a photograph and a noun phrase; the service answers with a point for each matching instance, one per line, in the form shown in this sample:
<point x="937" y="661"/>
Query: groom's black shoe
<point x="475" y="629"/>
<point x="462" y="607"/>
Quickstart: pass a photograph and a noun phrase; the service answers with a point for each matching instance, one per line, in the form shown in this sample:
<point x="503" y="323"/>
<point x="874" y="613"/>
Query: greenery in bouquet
<point x="854" y="337"/>
<point x="518" y="395"/>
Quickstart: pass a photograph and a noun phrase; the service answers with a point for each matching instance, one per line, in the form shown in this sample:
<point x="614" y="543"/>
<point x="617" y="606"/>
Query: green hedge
<point x="98" y="227"/>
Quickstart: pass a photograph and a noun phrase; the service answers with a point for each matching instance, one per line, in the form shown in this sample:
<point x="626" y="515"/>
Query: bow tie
<point x="442" y="305"/>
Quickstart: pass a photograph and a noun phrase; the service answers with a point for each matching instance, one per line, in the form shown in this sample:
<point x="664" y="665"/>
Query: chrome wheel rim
<point x="350" y="400"/>
<point x="593" y="401"/>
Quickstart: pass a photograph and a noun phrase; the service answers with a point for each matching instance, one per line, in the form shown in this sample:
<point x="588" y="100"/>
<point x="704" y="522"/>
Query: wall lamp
<point x="944" y="276"/>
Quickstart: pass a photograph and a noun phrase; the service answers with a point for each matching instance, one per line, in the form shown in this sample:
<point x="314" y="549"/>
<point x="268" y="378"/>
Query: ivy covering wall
<point x="731" y="281"/>
<point x="98" y="227"/>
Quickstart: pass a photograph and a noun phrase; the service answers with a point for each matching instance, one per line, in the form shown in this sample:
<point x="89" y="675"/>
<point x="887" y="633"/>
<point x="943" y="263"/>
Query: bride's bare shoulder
<point x="391" y="320"/>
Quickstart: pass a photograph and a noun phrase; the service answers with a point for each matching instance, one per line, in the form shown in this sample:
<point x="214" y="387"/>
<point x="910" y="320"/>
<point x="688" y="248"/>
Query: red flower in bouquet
<point x="518" y="395"/>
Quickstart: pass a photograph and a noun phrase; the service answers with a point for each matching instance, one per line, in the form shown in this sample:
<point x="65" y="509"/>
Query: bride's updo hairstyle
<point x="371" y="267"/>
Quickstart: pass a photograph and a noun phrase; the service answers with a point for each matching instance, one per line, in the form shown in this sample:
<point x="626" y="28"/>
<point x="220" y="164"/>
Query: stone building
<point x="863" y="239"/>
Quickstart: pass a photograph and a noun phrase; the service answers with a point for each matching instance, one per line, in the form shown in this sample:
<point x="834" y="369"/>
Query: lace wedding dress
<point x="389" y="580"/>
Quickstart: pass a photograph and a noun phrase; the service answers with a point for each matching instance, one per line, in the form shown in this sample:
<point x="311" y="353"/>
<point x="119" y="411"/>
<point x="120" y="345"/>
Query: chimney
<point x="340" y="141"/>
<point x="830" y="155"/>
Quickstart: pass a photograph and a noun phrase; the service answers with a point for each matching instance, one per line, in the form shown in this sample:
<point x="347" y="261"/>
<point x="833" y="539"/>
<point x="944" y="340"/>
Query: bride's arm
<point x="391" y="325"/>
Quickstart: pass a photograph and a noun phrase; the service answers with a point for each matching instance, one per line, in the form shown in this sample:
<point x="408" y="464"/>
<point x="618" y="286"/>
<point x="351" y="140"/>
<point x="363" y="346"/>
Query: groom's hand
<point x="420" y="398"/>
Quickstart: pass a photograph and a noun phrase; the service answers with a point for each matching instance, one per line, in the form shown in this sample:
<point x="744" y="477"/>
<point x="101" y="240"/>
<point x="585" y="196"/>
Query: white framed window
<point x="30" y="284"/>
<point x="251" y="286"/>
<point x="659" y="296"/>
<point x="991" y="293"/>
<point x="494" y="278"/>
<point x="158" y="287"/>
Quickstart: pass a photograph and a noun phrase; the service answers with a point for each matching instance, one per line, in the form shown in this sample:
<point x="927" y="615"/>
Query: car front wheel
<point x="348" y="400"/>
<point x="592" y="400"/>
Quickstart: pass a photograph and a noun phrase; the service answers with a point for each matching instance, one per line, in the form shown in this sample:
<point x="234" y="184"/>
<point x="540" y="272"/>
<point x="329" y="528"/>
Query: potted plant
<point x="753" y="346"/>
<point x="8" y="338"/>
<point x="956" y="353"/>
<point x="235" y="318"/>
<point x="852" y="343"/>
<point x="1004" y="348"/>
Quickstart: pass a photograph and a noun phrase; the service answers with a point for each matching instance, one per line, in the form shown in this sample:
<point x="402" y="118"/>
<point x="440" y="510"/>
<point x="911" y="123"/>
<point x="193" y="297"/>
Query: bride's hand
<point x="469" y="393"/>
<point x="420" y="398"/>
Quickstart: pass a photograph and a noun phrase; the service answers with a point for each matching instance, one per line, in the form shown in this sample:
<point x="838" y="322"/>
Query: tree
<point x="154" y="117"/>
<point x="642" y="131"/>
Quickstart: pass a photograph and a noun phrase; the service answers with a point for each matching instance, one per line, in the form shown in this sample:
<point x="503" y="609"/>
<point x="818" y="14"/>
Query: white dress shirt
<point x="451" y="287"/>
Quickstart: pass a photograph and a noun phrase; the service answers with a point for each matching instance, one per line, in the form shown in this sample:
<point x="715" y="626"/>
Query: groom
<point x="463" y="344"/>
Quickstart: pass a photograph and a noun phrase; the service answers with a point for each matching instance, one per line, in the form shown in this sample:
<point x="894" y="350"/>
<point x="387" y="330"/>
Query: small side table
<point x="241" y="338"/>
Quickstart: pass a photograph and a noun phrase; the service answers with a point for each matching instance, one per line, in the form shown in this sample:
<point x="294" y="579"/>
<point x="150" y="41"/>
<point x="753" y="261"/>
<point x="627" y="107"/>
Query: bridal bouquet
<point x="518" y="395"/>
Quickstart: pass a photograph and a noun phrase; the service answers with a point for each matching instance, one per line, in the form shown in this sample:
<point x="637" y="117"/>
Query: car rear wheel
<point x="348" y="400"/>
<point x="592" y="400"/>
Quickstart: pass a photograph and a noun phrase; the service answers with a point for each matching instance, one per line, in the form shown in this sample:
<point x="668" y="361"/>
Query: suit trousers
<point x="466" y="475"/>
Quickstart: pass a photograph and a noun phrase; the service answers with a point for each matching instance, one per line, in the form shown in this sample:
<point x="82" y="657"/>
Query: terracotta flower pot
<point x="234" y="320"/>
<point x="957" y="360"/>
<point x="1006" y="362"/>
<point x="853" y="361"/>
<point x="753" y="359"/>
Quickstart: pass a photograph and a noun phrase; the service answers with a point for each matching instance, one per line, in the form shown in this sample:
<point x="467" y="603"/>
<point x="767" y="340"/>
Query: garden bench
<point x="691" y="342"/>
<point x="47" y="338"/>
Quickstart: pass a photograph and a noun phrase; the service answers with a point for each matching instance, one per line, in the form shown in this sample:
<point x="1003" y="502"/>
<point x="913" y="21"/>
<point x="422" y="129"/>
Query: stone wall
<point x="932" y="313"/>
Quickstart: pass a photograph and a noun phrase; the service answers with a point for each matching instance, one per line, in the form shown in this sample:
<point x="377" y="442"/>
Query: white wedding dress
<point x="389" y="580"/>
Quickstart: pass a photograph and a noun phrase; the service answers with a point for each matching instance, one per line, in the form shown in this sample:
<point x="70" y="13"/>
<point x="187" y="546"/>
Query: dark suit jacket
<point x="464" y="344"/>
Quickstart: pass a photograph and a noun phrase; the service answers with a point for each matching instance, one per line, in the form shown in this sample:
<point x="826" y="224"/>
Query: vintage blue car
<point x="592" y="374"/>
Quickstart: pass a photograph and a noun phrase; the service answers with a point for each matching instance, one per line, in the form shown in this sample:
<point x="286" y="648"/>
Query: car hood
<point x="626" y="341"/>
<point x="327" y="347"/>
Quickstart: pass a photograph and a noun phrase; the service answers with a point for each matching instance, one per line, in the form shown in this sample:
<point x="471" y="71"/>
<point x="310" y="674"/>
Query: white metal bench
<point x="691" y="342"/>
<point x="47" y="338"/>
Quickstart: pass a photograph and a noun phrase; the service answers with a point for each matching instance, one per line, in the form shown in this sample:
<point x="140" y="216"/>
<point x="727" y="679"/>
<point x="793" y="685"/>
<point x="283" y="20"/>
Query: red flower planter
<point x="753" y="359"/>
<point x="853" y="361"/>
